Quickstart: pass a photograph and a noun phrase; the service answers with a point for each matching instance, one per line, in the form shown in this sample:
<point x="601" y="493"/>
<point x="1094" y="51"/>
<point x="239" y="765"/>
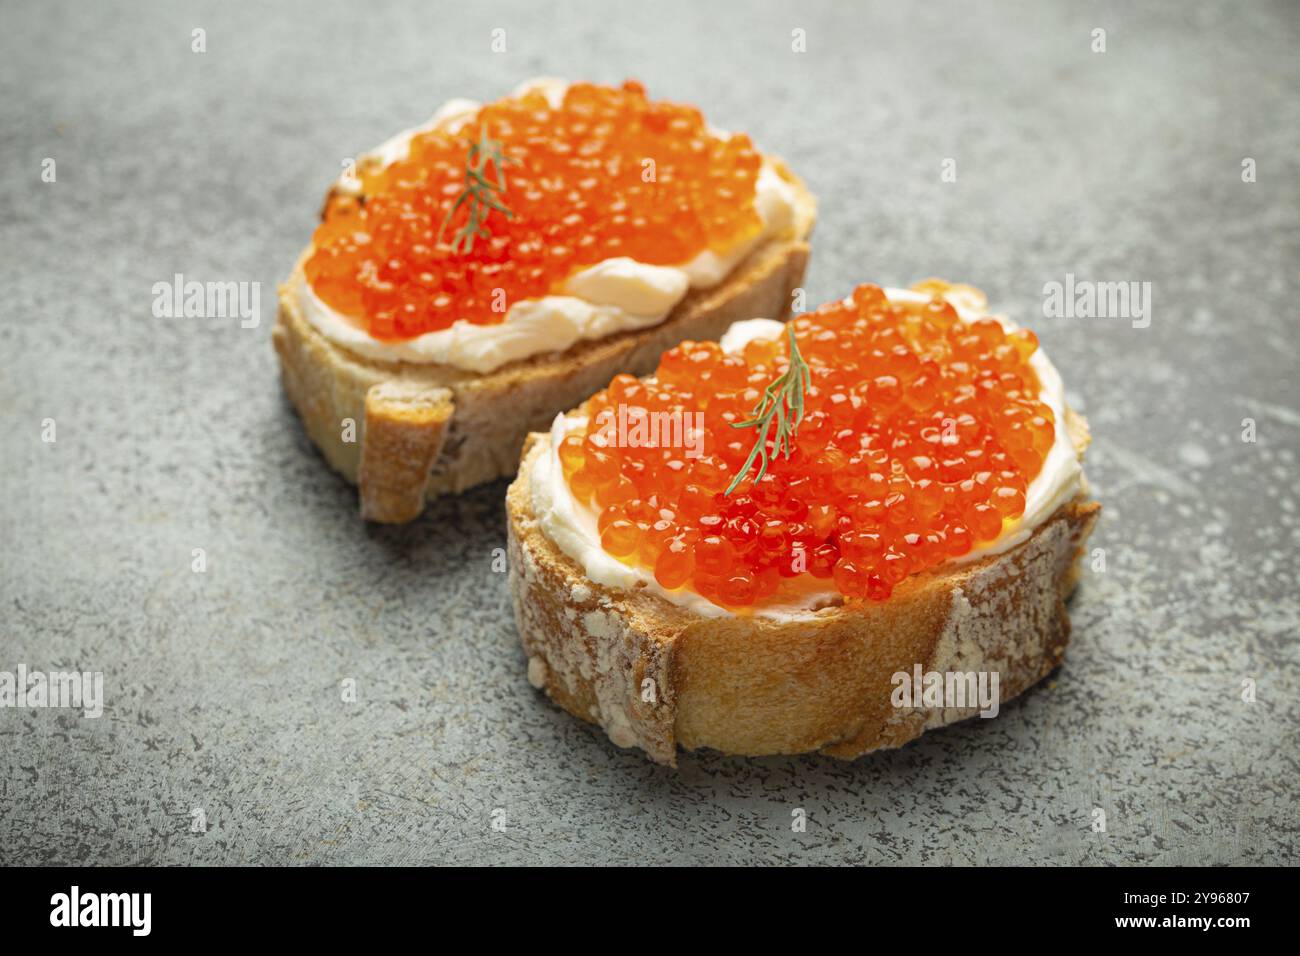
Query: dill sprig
<point x="782" y="401"/>
<point x="479" y="191"/>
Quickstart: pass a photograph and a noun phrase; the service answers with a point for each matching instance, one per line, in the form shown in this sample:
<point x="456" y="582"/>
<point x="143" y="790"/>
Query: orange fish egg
<point x="920" y="436"/>
<point x="606" y="173"/>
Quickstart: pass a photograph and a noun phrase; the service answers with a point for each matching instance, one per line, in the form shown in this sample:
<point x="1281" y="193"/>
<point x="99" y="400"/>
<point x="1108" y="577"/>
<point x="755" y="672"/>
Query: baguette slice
<point x="435" y="429"/>
<point x="657" y="676"/>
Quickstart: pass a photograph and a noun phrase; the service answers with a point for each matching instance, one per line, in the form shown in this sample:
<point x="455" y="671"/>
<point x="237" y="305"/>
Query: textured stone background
<point x="172" y="434"/>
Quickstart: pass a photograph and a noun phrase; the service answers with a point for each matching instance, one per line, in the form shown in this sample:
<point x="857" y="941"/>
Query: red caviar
<point x="607" y="173"/>
<point x="920" y="436"/>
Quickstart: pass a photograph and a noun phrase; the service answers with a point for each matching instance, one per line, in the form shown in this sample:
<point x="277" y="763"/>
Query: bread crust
<point x="822" y="682"/>
<point x="489" y="415"/>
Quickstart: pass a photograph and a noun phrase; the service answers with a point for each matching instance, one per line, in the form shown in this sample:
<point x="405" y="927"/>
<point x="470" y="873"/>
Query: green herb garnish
<point x="782" y="400"/>
<point x="479" y="191"/>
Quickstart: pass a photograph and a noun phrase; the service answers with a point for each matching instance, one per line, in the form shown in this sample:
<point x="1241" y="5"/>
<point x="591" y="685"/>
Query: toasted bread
<point x="657" y="675"/>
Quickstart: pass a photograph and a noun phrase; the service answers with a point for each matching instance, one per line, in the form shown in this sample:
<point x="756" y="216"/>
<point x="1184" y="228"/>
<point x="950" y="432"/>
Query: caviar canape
<point x="492" y="267"/>
<point x="877" y="479"/>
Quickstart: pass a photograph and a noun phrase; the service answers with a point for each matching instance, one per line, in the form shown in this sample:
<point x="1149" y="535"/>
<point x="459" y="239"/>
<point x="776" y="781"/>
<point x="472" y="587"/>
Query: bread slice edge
<point x="657" y="676"/>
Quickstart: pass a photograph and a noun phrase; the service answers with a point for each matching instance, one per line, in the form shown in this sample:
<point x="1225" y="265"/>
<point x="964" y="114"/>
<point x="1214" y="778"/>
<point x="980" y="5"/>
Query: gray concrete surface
<point x="222" y="688"/>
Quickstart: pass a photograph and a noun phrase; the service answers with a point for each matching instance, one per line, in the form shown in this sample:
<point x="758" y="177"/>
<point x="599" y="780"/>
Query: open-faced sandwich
<point x="480" y="273"/>
<point x="744" y="550"/>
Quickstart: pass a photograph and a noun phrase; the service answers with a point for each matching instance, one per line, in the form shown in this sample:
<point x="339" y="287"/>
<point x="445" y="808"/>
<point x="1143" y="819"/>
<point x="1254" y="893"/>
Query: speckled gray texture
<point x="223" y="688"/>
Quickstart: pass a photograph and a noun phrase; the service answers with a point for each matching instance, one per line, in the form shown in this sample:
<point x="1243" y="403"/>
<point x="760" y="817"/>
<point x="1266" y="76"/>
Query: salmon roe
<point x="920" y="437"/>
<point x="607" y="173"/>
